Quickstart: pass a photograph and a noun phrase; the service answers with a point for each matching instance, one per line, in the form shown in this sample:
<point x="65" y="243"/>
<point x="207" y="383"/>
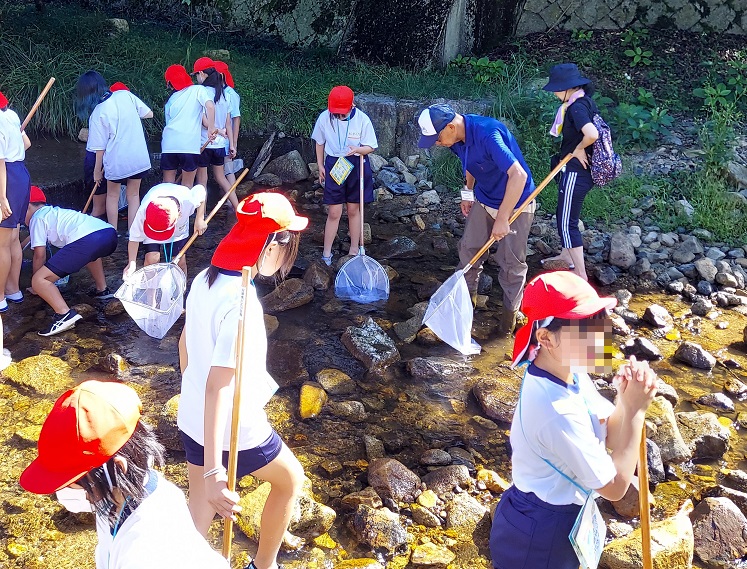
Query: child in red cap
<point x="184" y="112"/>
<point x="235" y="112"/>
<point x="83" y="240"/>
<point x="562" y="428"/>
<point x="15" y="186"/>
<point x="264" y="238"/>
<point x="163" y="221"/>
<point x="97" y="455"/>
<point x="342" y="134"/>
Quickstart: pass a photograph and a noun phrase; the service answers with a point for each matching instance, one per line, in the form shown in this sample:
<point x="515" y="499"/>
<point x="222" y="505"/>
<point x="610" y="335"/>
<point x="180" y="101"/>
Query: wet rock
<point x="703" y="434"/>
<point x="735" y="388"/>
<point x="438" y="369"/>
<point x="408" y="330"/>
<point x="467" y="516"/>
<point x="694" y="355"/>
<point x="497" y="397"/>
<point x="642" y="349"/>
<point x="371" y="345"/>
<point x="367" y="497"/>
<point x="86" y="311"/>
<point x="427" y="337"/>
<point x="666" y="433"/>
<point x="311" y="400"/>
<point x="628" y="315"/>
<point x="268" y="179"/>
<point x="720" y="532"/>
<point x="630" y="506"/>
<point x="736" y="479"/>
<point x="656" y="472"/>
<point x="317" y="276"/>
<point x="605" y="274"/>
<point x="42" y="374"/>
<point x="392" y="479"/>
<point x="702" y="307"/>
<point x="114" y="308"/>
<point x="623" y="296"/>
<point x="352" y="411"/>
<point x="399" y="248"/>
<point x="379" y="529"/>
<point x="290" y="168"/>
<point x="717" y="401"/>
<point x="359" y="563"/>
<point x="374" y="447"/>
<point x="492" y="481"/>
<point x="289" y="294"/>
<point x="424" y="517"/>
<point x="403" y="189"/>
<point x="435" y="457"/>
<point x="706" y="269"/>
<point x="116" y="365"/>
<point x="657" y="316"/>
<point x="462" y="456"/>
<point x="335" y="382"/>
<point x="622" y="252"/>
<point x="666" y="391"/>
<point x="168" y="431"/>
<point x="443" y="480"/>
<point x="431" y="555"/>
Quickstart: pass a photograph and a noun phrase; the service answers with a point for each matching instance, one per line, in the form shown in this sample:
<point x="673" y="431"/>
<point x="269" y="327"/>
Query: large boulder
<point x="498" y="396"/>
<point x="392" y="479"/>
<point x="720" y="532"/>
<point x="290" y="168"/>
<point x="382" y="111"/>
<point x="666" y="433"/>
<point x="289" y="294"/>
<point x="371" y="345"/>
<point x="379" y="529"/>
<point x="706" y="437"/>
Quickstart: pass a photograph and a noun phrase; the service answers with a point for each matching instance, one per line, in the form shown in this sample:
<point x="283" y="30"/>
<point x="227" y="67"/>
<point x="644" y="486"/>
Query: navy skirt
<point x="529" y="533"/>
<point x="18" y="191"/>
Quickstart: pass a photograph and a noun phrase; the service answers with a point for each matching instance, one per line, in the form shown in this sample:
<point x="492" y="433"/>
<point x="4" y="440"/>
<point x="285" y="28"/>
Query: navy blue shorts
<point x="76" y="255"/>
<point x="89" y="165"/>
<point x="181" y="160"/>
<point x="138" y="176"/>
<point x="169" y="249"/>
<point x="350" y="190"/>
<point x="250" y="460"/>
<point x="212" y="157"/>
<point x="17" y="190"/>
<point x="529" y="533"/>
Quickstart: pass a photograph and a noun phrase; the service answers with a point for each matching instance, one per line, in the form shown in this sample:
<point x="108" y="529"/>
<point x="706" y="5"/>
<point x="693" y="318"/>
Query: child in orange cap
<point x="264" y="238"/>
<point x="569" y="444"/>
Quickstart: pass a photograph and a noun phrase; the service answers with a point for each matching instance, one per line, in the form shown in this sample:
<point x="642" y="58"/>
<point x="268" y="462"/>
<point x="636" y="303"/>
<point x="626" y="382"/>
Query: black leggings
<point x="572" y="189"/>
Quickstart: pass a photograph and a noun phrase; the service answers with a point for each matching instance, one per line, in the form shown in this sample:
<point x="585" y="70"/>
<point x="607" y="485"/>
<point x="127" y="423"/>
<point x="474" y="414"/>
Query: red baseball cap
<point x="222" y="68"/>
<point x="202" y="64"/>
<point x="118" y="86"/>
<point x="85" y="428"/>
<point x="3" y="101"/>
<point x="161" y="216"/>
<point x="37" y="195"/>
<point x="259" y="216"/>
<point x="177" y="77"/>
<point x="560" y="294"/>
<point x="340" y="100"/>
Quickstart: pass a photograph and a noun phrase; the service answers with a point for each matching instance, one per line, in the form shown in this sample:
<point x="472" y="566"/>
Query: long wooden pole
<point x="643" y="501"/>
<point x="38" y="102"/>
<point x="90" y="198"/>
<point x="233" y="453"/>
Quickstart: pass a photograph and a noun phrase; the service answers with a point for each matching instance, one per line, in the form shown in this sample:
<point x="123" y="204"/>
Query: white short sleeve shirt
<point x="337" y="135"/>
<point x="115" y="127"/>
<point x="11" y="140"/>
<point x="189" y="200"/>
<point x="61" y="227"/>
<point x="565" y="424"/>
<point x="183" y="113"/>
<point x="222" y="112"/>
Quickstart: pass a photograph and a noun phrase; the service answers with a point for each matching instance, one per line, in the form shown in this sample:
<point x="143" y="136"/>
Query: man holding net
<point x="497" y="180"/>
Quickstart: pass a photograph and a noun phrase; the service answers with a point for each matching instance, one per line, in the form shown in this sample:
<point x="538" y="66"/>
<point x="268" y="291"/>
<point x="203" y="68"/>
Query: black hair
<point x="142" y="451"/>
<point x="288" y="240"/>
<point x="214" y="80"/>
<point x="89" y="91"/>
<point x="589" y="89"/>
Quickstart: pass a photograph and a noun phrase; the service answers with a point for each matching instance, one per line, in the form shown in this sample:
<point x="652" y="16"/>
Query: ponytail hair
<point x="214" y="80"/>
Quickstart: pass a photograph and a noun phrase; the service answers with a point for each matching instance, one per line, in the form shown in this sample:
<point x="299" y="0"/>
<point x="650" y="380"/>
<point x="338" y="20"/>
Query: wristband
<point x="212" y="471"/>
<point x="468" y="195"/>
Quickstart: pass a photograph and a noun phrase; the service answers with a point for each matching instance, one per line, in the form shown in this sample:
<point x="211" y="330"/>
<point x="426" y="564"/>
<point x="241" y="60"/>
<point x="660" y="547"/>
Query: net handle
<point x="361" y="248"/>
<point x="519" y="210"/>
<point x="220" y="203"/>
<point x="38" y="102"/>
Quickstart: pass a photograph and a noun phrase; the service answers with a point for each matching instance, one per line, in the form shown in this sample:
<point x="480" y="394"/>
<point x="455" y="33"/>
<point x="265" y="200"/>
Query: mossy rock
<point x="42" y="374"/>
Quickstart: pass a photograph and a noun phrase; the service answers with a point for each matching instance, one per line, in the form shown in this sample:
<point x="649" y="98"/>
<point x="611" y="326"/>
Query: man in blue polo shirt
<point x="497" y="182"/>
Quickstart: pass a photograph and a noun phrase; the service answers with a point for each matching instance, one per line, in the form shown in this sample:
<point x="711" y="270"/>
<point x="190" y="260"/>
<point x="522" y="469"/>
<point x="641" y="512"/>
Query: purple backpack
<point x="605" y="163"/>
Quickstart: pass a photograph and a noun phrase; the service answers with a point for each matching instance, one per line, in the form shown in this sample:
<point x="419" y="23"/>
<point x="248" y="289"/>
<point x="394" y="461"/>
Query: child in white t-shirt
<point x="82" y="240"/>
<point x="343" y="133"/>
<point x="180" y="145"/>
<point x="163" y="222"/>
<point x="235" y="111"/>
<point x="567" y="441"/>
<point x="264" y="238"/>
<point x="115" y="134"/>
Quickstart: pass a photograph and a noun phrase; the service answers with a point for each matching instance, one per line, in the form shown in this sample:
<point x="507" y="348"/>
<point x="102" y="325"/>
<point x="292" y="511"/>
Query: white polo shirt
<point x="337" y="135"/>
<point x="235" y="109"/>
<point x="61" y="226"/>
<point x="563" y="423"/>
<point x="222" y="112"/>
<point x="115" y="128"/>
<point x="183" y="113"/>
<point x="11" y="140"/>
<point x="211" y="328"/>
<point x="189" y="200"/>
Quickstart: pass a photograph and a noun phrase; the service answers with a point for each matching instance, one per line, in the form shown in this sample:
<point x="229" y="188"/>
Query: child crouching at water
<point x="568" y="442"/>
<point x="264" y="238"/>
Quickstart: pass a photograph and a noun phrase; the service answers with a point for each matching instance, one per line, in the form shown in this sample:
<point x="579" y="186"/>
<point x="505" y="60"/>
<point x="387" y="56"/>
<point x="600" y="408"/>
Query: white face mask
<point x="74" y="500"/>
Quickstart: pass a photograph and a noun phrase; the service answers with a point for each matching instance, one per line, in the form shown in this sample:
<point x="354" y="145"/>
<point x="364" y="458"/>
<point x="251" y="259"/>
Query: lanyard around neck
<point x="347" y="130"/>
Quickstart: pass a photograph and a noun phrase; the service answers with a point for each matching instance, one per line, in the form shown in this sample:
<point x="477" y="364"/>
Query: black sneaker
<point x="100" y="294"/>
<point x="61" y="323"/>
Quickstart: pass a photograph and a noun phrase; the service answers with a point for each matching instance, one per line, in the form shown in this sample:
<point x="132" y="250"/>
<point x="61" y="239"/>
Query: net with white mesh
<point x="362" y="279"/>
<point x="449" y="315"/>
<point x="154" y="297"/>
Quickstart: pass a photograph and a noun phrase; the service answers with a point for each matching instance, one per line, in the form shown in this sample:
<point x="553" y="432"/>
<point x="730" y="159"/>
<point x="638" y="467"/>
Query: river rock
<point x="671" y="546"/>
<point x="388" y="177"/>
<point x="435" y="457"/>
<point x="371" y="345"/>
<point x="438" y="369"/>
<point x="374" y="447"/>
<point x="408" y="330"/>
<point x="116" y="365"/>
<point x="114" y="308"/>
<point x="704" y="435"/>
<point x="622" y="252"/>
<point x="290" y="168"/>
<point x="694" y="355"/>
<point x="629" y="506"/>
<point x="289" y="294"/>
<point x="392" y="479"/>
<point x="403" y="189"/>
<point x="668" y="392"/>
<point x="359" y="563"/>
<point x="268" y="179"/>
<point x="467" y="516"/>
<point x="720" y="532"/>
<point x="427" y="199"/>
<point x="309" y="518"/>
<point x="717" y="401"/>
<point x="424" y="517"/>
<point x="377" y="162"/>
<point x="378" y="528"/>
<point x="399" y="248"/>
<point x="657" y="316"/>
<point x="605" y="274"/>
<point x="726" y="279"/>
<point x="702" y="307"/>
<point x="168" y="431"/>
<point x="736" y="174"/>
<point x="656" y="472"/>
<point x="706" y="269"/>
<point x="445" y="479"/>
<point x="735" y="388"/>
<point x="431" y="555"/>
<point x="42" y="374"/>
<point x="736" y="479"/>
<point x="317" y="276"/>
<point x="687" y="250"/>
<point x="335" y="382"/>
<point x="666" y="433"/>
<point x="498" y="396"/>
<point x="642" y="349"/>
<point x="367" y="497"/>
<point x="311" y="400"/>
<point x="353" y="411"/>
<point x="86" y="311"/>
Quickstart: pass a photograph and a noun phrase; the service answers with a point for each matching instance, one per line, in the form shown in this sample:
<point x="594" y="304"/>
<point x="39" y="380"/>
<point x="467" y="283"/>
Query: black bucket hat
<point x="565" y="76"/>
